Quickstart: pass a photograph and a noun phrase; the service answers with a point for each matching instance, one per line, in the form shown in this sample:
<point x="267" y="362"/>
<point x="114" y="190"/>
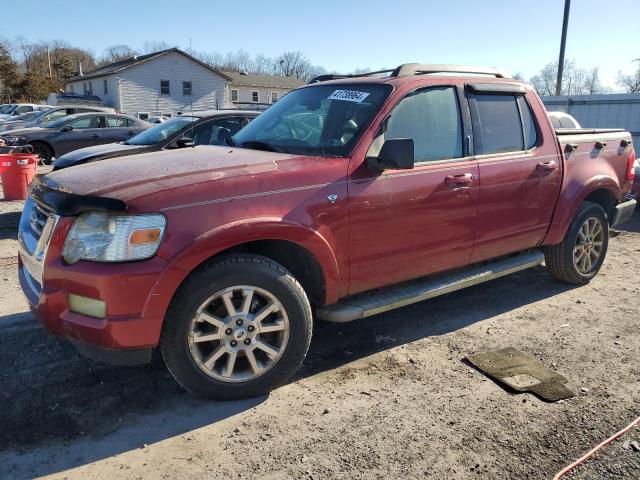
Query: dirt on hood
<point x="129" y="176"/>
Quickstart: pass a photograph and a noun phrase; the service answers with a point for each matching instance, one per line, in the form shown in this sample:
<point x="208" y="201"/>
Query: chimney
<point x="79" y="69"/>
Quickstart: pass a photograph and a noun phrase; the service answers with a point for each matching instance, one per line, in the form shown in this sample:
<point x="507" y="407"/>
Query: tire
<point x="202" y="296"/>
<point x="567" y="259"/>
<point x="44" y="151"/>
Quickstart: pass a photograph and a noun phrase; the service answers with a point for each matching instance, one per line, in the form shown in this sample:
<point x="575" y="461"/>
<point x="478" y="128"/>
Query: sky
<point x="519" y="35"/>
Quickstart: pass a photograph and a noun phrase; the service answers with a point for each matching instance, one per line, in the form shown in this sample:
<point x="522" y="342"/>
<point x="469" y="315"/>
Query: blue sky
<point x="520" y="35"/>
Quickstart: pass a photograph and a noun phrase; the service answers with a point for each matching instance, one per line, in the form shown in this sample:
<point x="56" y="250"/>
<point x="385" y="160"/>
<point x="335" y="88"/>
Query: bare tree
<point x="575" y="81"/>
<point x="152" y="46"/>
<point x="630" y="83"/>
<point x="117" y="53"/>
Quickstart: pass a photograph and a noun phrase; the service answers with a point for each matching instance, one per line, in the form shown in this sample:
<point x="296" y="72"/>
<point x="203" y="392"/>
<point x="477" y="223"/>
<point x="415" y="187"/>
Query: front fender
<point x="227" y="236"/>
<point x="571" y="197"/>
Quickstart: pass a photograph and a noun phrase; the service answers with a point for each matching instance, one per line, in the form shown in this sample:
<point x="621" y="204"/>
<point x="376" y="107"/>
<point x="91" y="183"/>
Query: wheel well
<point x="295" y="258"/>
<point x="605" y="199"/>
<point x="42" y="142"/>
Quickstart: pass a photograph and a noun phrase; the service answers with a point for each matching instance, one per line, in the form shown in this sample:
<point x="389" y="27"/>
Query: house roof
<point x="116" y="67"/>
<point x="273" y="81"/>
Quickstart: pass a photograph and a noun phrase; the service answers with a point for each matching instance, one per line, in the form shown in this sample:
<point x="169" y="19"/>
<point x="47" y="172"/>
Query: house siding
<point x="137" y="89"/>
<point x="245" y="93"/>
<point x="140" y="86"/>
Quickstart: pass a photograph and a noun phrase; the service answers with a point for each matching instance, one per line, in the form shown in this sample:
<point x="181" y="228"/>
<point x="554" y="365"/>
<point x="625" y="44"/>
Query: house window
<point x="164" y="87"/>
<point x="254" y="96"/>
<point x="105" y="86"/>
<point x="234" y="95"/>
<point x="274" y="97"/>
<point x="186" y="89"/>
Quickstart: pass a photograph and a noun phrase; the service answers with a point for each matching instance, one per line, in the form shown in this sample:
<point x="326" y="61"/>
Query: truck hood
<point x="133" y="176"/>
<point x="71" y="158"/>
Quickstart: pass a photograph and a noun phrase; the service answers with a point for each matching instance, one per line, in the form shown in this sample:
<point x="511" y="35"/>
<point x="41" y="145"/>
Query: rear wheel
<point x="44" y="152"/>
<point x="578" y="258"/>
<point x="237" y="328"/>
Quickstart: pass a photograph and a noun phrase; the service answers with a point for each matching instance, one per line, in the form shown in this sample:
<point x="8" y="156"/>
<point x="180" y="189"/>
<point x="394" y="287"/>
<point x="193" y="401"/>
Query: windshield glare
<point x="316" y="120"/>
<point x="161" y="132"/>
<point x="7" y="109"/>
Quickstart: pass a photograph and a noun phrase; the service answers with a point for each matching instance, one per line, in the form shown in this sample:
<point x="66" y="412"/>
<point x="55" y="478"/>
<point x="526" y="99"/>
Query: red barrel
<point x="16" y="172"/>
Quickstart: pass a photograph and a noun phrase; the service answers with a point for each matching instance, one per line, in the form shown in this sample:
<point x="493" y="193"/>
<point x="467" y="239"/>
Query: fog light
<point x="90" y="307"/>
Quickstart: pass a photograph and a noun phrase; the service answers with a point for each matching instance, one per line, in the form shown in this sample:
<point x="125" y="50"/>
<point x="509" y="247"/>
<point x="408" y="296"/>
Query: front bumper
<point x="623" y="212"/>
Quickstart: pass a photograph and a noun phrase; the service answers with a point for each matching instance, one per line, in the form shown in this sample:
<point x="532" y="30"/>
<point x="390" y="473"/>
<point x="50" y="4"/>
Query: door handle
<point x="547" y="166"/>
<point x="131" y="133"/>
<point x="94" y="135"/>
<point x="458" y="180"/>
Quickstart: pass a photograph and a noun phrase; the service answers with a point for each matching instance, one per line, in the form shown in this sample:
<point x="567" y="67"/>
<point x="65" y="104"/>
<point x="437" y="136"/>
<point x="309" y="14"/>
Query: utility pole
<point x="563" y="41"/>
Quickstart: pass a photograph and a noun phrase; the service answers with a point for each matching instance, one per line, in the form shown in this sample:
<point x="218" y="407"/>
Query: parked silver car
<point x="72" y="132"/>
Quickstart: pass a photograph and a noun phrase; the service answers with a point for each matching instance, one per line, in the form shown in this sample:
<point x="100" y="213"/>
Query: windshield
<point x="317" y="120"/>
<point x="7" y="109"/>
<point x="28" y="116"/>
<point x="58" y="122"/>
<point x="161" y="132"/>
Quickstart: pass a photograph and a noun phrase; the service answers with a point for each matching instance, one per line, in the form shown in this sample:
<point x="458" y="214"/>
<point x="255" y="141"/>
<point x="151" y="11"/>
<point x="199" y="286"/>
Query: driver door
<point x="86" y="132"/>
<point x="408" y="223"/>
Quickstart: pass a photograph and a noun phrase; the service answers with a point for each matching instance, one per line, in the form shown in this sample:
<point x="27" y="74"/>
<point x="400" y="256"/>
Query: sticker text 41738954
<point x="348" y="96"/>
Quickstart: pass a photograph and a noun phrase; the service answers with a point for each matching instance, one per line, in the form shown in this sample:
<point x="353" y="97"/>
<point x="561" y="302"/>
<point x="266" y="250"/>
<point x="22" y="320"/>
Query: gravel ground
<point x="386" y="397"/>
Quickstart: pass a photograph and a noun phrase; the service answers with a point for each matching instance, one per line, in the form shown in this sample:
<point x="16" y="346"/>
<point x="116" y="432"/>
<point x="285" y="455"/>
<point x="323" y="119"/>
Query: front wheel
<point x="44" y="152"/>
<point x="578" y="258"/>
<point x="237" y="328"/>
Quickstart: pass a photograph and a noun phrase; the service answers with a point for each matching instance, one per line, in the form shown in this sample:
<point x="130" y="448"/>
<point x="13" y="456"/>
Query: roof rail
<point x="337" y="76"/>
<point x="409" y="69"/>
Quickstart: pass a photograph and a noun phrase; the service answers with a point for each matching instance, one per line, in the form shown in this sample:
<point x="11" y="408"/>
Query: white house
<point x="174" y="81"/>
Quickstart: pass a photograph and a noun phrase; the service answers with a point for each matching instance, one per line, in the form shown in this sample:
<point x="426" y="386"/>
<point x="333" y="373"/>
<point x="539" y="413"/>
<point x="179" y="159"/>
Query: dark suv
<point x="198" y="128"/>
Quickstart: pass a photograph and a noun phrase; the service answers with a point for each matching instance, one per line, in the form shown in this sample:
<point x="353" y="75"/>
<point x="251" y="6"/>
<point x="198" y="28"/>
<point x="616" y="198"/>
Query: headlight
<point x="104" y="237"/>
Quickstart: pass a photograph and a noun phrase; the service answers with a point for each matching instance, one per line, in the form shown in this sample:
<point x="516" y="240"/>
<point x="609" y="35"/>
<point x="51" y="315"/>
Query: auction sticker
<point x="348" y="96"/>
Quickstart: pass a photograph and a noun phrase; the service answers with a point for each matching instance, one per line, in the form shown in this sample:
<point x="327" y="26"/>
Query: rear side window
<point x="528" y="124"/>
<point x="431" y="117"/>
<point x="117" y="122"/>
<point x="500" y="126"/>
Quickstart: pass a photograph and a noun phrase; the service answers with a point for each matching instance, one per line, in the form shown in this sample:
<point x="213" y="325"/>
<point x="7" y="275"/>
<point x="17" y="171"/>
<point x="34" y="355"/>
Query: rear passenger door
<point x="513" y="208"/>
<point x="118" y="129"/>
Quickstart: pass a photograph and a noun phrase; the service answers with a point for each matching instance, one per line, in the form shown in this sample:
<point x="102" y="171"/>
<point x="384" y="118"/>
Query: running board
<point x="367" y="304"/>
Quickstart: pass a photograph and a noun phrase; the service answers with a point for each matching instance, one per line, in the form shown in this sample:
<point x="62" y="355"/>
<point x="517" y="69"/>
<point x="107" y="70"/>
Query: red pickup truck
<point x="350" y="196"/>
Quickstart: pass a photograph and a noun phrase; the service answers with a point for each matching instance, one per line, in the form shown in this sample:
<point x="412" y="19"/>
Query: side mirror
<point x="185" y="142"/>
<point x="395" y="154"/>
<point x="67" y="128"/>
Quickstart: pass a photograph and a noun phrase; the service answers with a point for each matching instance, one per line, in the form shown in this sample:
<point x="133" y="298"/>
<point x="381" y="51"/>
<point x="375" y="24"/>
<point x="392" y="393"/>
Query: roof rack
<point x="409" y="69"/>
<point x="337" y="76"/>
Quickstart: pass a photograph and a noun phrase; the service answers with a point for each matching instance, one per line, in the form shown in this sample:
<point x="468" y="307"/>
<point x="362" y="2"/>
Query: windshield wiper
<point x="258" y="145"/>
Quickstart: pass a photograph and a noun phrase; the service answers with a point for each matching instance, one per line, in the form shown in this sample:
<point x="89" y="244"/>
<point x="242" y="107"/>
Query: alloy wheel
<point x="238" y="334"/>
<point x="589" y="245"/>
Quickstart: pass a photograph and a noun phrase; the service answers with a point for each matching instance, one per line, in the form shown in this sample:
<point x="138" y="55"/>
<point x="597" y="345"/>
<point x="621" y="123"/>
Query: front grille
<point x="37" y="220"/>
<point x="34" y="235"/>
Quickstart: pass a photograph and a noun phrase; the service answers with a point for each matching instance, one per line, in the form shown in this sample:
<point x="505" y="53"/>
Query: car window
<point x="161" y="131"/>
<point x="431" y="117"/>
<point x="86" y="122"/>
<point x="116" y="122"/>
<point x="23" y="109"/>
<point x="566" y="122"/>
<point x="130" y="122"/>
<point x="555" y="122"/>
<point x="215" y="131"/>
<point x="500" y="126"/>
<point x="530" y="133"/>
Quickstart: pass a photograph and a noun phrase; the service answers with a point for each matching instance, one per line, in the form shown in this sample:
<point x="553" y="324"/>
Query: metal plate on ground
<point x="522" y="373"/>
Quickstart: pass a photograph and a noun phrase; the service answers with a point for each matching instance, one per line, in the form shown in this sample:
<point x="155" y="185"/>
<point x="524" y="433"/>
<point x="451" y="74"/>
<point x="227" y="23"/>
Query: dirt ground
<point x="387" y="397"/>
